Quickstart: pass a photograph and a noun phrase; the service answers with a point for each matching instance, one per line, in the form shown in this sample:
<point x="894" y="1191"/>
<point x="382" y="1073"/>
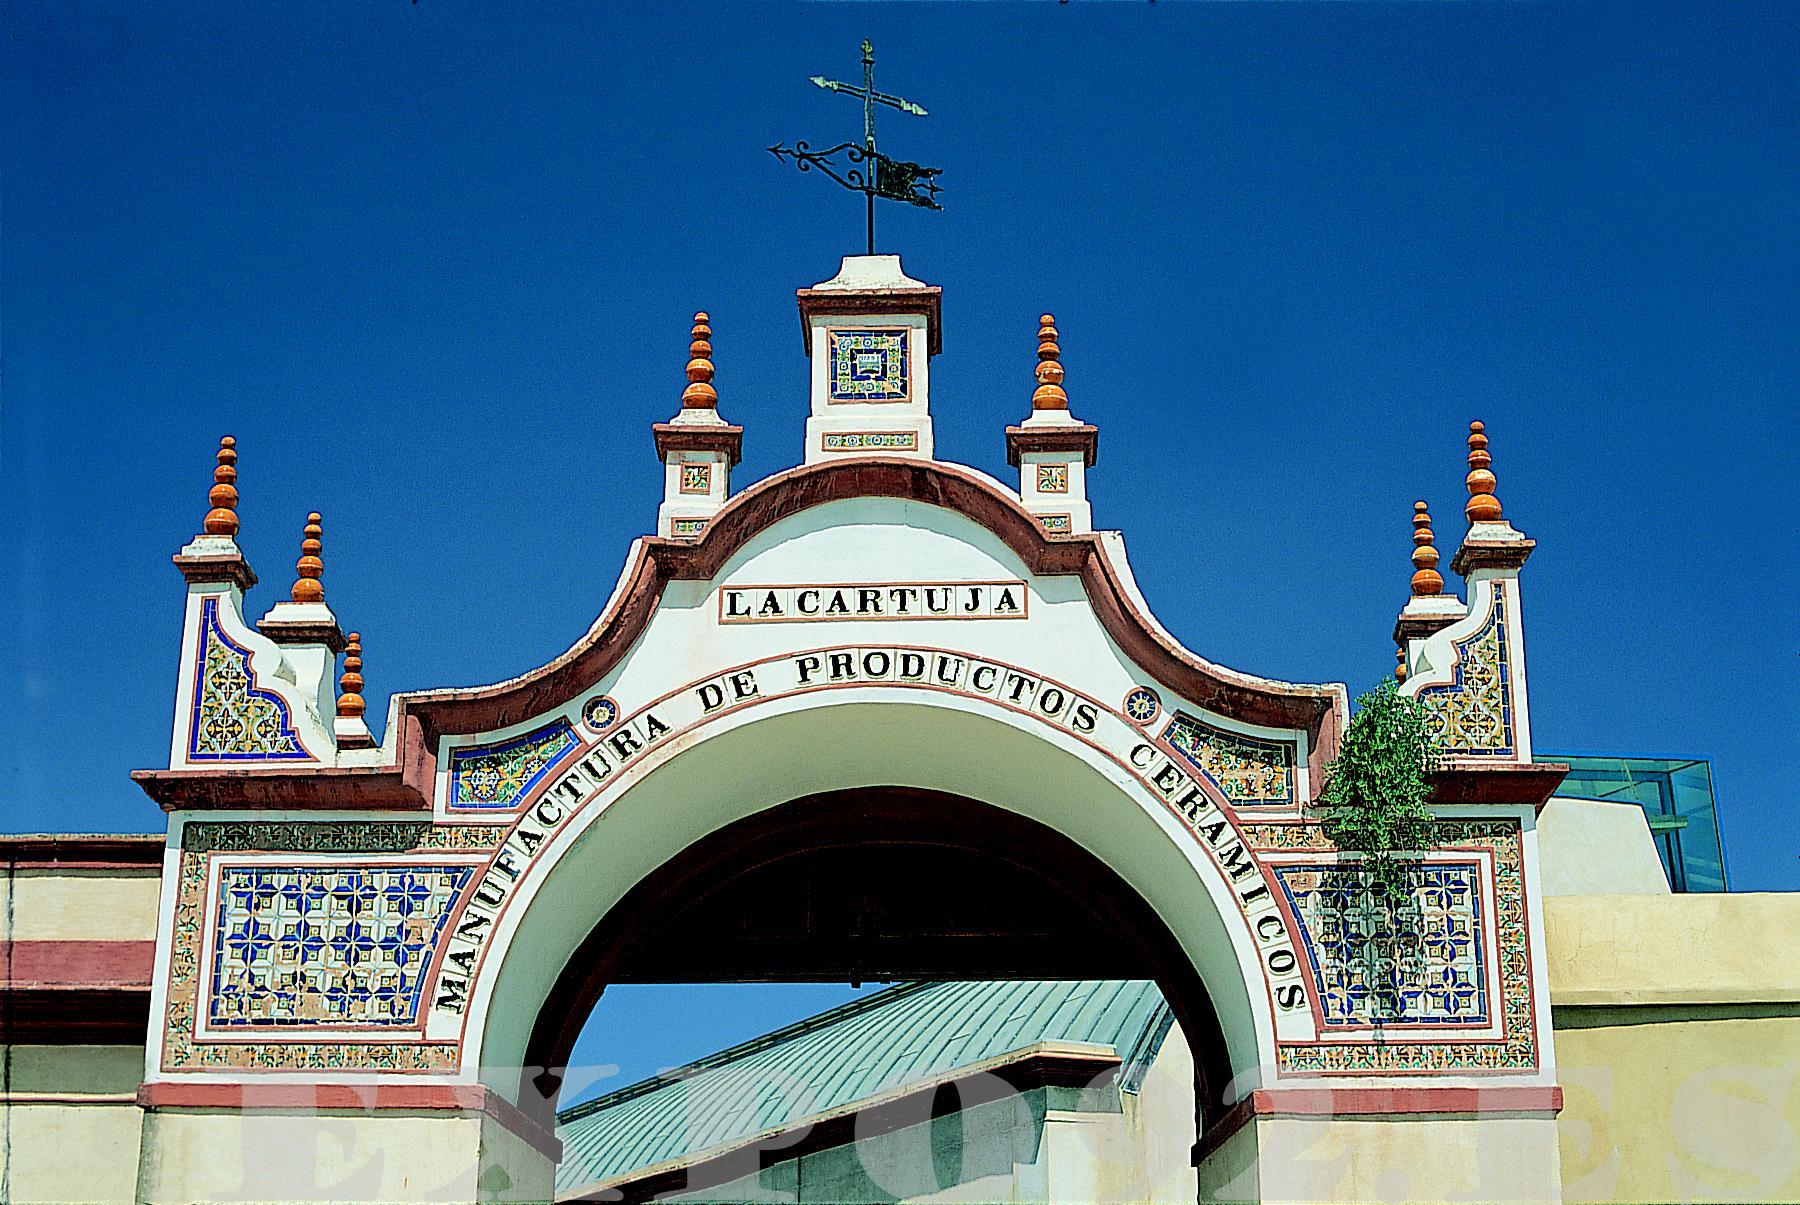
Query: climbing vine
<point x="1375" y="790"/>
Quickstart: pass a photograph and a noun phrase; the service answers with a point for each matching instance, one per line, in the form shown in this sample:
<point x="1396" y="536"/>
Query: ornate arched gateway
<point x="373" y="957"/>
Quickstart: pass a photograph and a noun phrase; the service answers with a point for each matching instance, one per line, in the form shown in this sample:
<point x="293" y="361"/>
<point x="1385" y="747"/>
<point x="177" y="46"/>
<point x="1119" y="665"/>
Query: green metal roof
<point x="897" y="1036"/>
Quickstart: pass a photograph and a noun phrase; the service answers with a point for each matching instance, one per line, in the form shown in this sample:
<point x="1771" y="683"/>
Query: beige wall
<point x="59" y="904"/>
<point x="335" y="1156"/>
<point x="69" y="1124"/>
<point x="1678" y="1046"/>
<point x="1597" y="847"/>
<point x="1490" y="1158"/>
<point x="1149" y="1157"/>
<point x="69" y="1121"/>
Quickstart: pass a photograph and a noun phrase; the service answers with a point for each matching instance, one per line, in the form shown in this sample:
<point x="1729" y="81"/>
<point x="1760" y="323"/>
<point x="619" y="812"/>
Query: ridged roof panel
<point x="897" y="1036"/>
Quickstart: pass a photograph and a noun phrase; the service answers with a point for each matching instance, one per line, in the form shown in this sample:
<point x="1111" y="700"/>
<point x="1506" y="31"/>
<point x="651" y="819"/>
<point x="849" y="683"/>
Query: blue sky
<point x="433" y="266"/>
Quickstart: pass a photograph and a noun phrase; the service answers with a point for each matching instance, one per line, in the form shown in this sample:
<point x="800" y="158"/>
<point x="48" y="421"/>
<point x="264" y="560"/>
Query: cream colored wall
<point x="69" y="1121"/>
<point x="1146" y="1153"/>
<point x="1673" y="949"/>
<point x="57" y="904"/>
<point x="1678" y="1046"/>
<point x="1228" y="1175"/>
<point x="1597" y="847"/>
<point x="69" y="1124"/>
<point x="1493" y="1157"/>
<point x="267" y="1156"/>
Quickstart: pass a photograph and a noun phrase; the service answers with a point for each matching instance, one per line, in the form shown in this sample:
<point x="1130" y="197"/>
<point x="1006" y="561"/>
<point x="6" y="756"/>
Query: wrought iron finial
<point x="862" y="168"/>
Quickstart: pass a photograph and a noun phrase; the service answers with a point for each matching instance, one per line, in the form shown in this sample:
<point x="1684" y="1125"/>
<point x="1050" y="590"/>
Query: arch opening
<point x="781" y="847"/>
<point x="878" y="884"/>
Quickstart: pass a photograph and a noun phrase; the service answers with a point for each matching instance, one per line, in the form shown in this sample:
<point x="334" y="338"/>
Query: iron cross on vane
<point x="869" y="171"/>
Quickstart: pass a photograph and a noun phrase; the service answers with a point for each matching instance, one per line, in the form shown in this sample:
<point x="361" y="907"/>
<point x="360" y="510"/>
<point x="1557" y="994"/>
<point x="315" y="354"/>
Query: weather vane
<point x="866" y="170"/>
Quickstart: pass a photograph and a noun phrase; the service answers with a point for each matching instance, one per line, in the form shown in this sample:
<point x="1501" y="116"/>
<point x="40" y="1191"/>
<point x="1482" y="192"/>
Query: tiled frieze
<point x="497" y="776"/>
<point x="326" y="945"/>
<point x="234" y="720"/>
<point x="1436" y="969"/>
<point x="1473" y="715"/>
<point x="1247" y="769"/>
<point x="869" y="441"/>
<point x="351" y="995"/>
<point x="1419" y="961"/>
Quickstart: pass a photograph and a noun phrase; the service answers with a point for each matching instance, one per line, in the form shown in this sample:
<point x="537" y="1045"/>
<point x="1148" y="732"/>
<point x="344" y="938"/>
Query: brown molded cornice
<point x="287" y="632"/>
<point x="81" y="851"/>
<point x="425" y="717"/>
<point x="1075" y="437"/>
<point x="1417" y="627"/>
<point x="1490" y="554"/>
<point x="1376" y="1102"/>
<point x="1277" y="704"/>
<point x="698" y="437"/>
<point x="1530" y="782"/>
<point x="928" y="300"/>
<point x="233" y="569"/>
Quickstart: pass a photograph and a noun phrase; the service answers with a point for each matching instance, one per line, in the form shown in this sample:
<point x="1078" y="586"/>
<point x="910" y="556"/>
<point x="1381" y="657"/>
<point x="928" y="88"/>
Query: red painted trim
<point x="76" y="965"/>
<point x="362" y="1098"/>
<point x="1375" y="1102"/>
<point x="57" y="993"/>
<point x="79" y="851"/>
<point x="1314" y="709"/>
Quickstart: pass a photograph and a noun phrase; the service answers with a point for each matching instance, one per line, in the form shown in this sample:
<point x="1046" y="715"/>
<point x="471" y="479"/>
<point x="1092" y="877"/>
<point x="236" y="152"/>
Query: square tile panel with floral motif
<point x="869" y="365"/>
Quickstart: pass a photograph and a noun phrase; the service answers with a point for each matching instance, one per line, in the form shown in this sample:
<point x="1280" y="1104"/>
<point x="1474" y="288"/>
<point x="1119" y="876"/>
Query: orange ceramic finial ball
<point x="1483" y="506"/>
<point x="222" y="519"/>
<point x="1049" y="395"/>
<point x="1400" y="666"/>
<point x="699" y="394"/>
<point x="350" y="682"/>
<point x="307" y="588"/>
<point x="1425" y="579"/>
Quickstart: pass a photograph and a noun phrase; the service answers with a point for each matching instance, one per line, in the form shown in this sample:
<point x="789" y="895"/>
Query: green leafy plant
<point x="1375" y="790"/>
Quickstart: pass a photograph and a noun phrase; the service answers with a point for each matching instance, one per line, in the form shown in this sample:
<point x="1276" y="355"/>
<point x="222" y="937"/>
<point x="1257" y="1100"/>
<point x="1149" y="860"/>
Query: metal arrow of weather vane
<point x="864" y="169"/>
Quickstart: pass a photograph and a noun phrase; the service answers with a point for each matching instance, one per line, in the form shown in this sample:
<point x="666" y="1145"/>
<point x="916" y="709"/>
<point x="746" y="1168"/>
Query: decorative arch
<point x="656" y="561"/>
<point x="625" y="849"/>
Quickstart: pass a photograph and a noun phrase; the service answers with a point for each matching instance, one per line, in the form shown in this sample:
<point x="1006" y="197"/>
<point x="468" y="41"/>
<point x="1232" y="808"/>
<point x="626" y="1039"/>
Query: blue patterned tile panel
<point x="1421" y="962"/>
<point x="234" y="720"/>
<point x="326" y="946"/>
<point x="499" y="776"/>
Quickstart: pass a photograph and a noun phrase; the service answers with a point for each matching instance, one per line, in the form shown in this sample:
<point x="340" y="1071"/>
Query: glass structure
<point x="1676" y="794"/>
